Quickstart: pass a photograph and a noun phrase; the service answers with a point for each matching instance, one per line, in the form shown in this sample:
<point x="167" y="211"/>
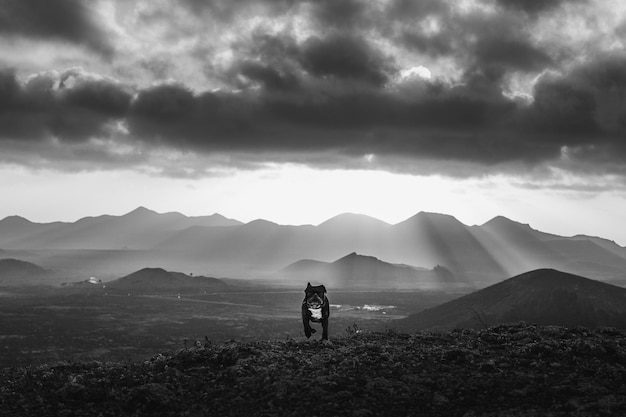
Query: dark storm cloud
<point x="331" y="90"/>
<point x="227" y="10"/>
<point x="583" y="109"/>
<point x="172" y="115"/>
<point x="45" y="107"/>
<point x="66" y="20"/>
<point x="346" y="58"/>
<point x="564" y="109"/>
<point x="586" y="108"/>
<point x="341" y="14"/>
<point x="278" y="62"/>
<point x="447" y="124"/>
<point x="434" y="45"/>
<point x="511" y="53"/>
<point x="491" y="45"/>
<point x="535" y="6"/>
<point x="271" y="78"/>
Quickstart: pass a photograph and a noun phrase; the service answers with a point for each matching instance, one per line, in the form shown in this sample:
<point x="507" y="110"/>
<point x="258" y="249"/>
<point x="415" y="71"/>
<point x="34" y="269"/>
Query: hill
<point x="150" y="280"/>
<point x="544" y="296"/>
<point x="360" y="271"/>
<point x="17" y="272"/>
<point x="513" y="370"/>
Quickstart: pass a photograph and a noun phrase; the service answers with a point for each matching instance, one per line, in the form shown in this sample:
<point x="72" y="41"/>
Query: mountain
<point x="350" y="222"/>
<point x="17" y="272"/>
<point x="543" y="296"/>
<point x="359" y="271"/>
<point x="477" y="256"/>
<point x="138" y="229"/>
<point x="16" y="229"/>
<point x="150" y="280"/>
<point x="519" y="248"/>
<point x="437" y="239"/>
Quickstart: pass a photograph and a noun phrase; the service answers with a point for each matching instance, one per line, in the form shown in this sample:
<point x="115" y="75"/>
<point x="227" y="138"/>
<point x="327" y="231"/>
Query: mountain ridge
<point x="478" y="254"/>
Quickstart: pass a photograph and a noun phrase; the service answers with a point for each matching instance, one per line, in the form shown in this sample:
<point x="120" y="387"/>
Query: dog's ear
<point x="308" y="285"/>
<point x="323" y="288"/>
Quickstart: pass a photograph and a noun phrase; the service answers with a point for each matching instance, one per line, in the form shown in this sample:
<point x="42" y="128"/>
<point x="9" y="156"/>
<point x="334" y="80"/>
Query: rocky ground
<point x="510" y="370"/>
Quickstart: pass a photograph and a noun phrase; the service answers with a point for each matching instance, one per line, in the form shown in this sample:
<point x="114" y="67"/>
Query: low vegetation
<point x="513" y="370"/>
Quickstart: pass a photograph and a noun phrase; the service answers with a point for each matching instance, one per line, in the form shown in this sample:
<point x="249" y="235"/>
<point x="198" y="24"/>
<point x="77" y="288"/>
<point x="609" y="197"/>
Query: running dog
<point x="315" y="309"/>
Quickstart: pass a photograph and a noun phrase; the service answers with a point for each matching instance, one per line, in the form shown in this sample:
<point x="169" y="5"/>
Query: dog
<point x="315" y="309"/>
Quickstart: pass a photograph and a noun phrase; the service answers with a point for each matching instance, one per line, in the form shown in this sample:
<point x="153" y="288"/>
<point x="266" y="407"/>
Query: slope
<point x="17" y="272"/>
<point x="506" y="371"/>
<point x="544" y="296"/>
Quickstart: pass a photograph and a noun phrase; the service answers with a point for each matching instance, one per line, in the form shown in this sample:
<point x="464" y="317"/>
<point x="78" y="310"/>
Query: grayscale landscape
<point x="79" y="313"/>
<point x="312" y="208"/>
<point x="125" y="287"/>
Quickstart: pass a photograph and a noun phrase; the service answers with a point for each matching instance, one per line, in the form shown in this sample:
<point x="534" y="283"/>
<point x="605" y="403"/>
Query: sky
<point x="296" y="111"/>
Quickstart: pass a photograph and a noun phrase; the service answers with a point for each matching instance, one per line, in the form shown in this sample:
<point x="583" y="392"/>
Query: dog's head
<point x="315" y="295"/>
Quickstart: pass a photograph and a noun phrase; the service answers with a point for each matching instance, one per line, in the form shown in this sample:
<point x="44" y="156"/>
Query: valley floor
<point x="509" y="370"/>
<point x="98" y="325"/>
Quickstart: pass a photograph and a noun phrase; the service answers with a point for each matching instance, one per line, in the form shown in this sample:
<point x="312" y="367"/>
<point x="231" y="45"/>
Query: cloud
<point x="270" y="77"/>
<point x="462" y="122"/>
<point x="70" y="106"/>
<point x="589" y="102"/>
<point x="64" y="20"/>
<point x="346" y="58"/>
<point x="516" y="54"/>
<point x="580" y="111"/>
<point x="339" y="14"/>
<point x="534" y="6"/>
<point x="327" y="83"/>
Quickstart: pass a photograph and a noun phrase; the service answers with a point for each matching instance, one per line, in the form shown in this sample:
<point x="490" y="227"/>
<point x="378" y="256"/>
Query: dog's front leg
<point x="305" y="321"/>
<point x="325" y="329"/>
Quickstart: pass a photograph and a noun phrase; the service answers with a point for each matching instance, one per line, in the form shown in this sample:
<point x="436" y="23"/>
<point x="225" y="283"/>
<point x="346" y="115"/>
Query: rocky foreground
<point x="510" y="370"/>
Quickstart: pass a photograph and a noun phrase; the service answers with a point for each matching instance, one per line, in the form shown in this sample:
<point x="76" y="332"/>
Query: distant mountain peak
<point x="427" y="215"/>
<point x="16" y="220"/>
<point x="218" y="216"/>
<point x="141" y="210"/>
<point x="425" y="218"/>
<point x="353" y="256"/>
<point x="261" y="223"/>
<point x="501" y="220"/>
<point x="353" y="220"/>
